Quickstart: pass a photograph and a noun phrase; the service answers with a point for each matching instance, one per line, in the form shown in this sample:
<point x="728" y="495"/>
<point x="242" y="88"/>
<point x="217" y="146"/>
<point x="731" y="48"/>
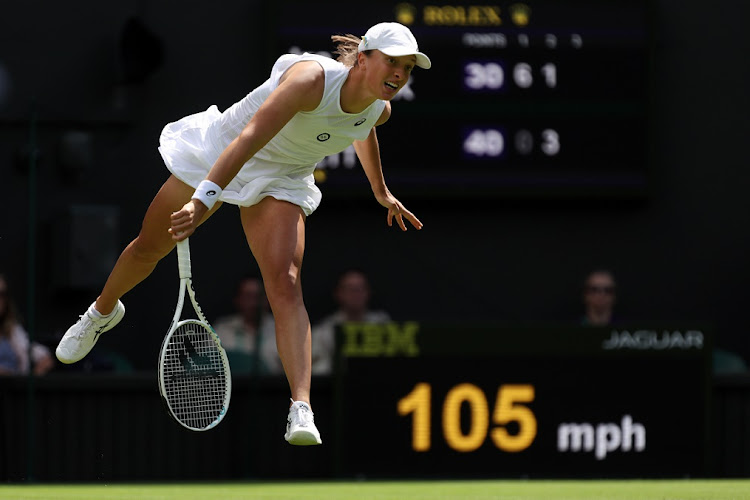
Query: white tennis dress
<point x="284" y="167"/>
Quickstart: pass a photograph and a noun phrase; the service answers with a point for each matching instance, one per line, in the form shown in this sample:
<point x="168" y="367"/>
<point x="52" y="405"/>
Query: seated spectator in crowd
<point x="599" y="297"/>
<point x="248" y="335"/>
<point x="352" y="297"/>
<point x="14" y="341"/>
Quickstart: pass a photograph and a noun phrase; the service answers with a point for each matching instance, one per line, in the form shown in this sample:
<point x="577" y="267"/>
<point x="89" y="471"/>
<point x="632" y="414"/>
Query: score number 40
<point x="490" y="142"/>
<point x="509" y="407"/>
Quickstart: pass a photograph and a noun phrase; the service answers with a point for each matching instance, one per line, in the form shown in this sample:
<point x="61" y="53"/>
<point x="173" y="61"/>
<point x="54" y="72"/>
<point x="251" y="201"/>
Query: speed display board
<point x="540" y="97"/>
<point x="460" y="401"/>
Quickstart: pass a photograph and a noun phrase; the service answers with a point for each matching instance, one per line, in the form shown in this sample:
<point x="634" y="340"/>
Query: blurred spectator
<point x="14" y="341"/>
<point x="352" y="296"/>
<point x="248" y="335"/>
<point x="599" y="297"/>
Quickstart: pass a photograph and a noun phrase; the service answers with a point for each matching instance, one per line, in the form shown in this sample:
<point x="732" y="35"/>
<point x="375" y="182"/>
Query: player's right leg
<point x="135" y="264"/>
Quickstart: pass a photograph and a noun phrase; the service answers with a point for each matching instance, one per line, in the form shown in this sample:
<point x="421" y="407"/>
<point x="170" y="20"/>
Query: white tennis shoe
<point x="81" y="337"/>
<point x="300" y="426"/>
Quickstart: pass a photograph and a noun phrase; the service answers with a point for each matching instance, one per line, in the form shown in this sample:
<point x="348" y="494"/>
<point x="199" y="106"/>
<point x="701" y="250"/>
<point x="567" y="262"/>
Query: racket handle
<point x="183" y="258"/>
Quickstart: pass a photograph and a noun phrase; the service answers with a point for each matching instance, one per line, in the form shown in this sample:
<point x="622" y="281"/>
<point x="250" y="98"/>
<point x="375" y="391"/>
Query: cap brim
<point x="422" y="60"/>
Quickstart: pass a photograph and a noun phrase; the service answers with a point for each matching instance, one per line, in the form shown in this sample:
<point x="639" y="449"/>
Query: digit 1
<point x="418" y="402"/>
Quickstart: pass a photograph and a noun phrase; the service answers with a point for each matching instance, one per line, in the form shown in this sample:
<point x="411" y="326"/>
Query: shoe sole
<point x="303" y="438"/>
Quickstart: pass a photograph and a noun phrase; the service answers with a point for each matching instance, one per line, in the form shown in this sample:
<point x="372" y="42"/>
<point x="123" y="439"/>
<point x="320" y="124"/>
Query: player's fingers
<point x="180" y="221"/>
<point x="389" y="217"/>
<point x="179" y="235"/>
<point x="180" y="224"/>
<point x="400" y="220"/>
<point x="413" y="219"/>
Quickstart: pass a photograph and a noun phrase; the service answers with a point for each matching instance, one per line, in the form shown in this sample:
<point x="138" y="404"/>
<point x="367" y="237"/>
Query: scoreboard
<point x="462" y="400"/>
<point x="539" y="97"/>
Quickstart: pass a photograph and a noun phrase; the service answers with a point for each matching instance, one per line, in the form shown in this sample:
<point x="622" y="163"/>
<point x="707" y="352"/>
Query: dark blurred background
<point x="104" y="78"/>
<point x="86" y="87"/>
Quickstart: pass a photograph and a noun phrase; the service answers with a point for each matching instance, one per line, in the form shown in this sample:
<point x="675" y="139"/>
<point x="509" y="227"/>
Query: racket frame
<point x="186" y="284"/>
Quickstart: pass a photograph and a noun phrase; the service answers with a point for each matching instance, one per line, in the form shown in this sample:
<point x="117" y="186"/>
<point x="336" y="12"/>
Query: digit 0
<point x="479" y="414"/>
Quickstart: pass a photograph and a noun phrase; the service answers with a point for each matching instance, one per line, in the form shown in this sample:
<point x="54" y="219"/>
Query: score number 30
<point x="509" y="407"/>
<point x="491" y="75"/>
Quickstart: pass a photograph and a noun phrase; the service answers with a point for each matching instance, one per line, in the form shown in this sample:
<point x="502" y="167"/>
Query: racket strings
<point x="195" y="378"/>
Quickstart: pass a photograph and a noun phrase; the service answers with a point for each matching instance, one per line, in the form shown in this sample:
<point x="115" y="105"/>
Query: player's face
<point x="389" y="74"/>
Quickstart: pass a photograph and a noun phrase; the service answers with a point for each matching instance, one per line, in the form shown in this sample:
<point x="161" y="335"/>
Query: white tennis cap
<point x="393" y="39"/>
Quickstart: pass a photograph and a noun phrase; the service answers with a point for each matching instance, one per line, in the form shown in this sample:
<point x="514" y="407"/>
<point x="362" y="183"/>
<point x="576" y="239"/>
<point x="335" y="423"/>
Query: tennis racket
<point x="194" y="378"/>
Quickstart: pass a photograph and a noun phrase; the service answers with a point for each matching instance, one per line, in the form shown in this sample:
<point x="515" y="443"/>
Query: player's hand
<point x="397" y="210"/>
<point x="185" y="221"/>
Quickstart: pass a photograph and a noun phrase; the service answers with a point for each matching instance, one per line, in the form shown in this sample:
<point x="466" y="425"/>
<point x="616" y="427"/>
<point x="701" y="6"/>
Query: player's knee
<point x="145" y="253"/>
<point x="284" y="291"/>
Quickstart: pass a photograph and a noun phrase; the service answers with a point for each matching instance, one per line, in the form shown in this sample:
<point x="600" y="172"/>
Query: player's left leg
<point x="275" y="231"/>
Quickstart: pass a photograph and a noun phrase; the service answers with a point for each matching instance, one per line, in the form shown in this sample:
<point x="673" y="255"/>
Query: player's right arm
<point x="300" y="89"/>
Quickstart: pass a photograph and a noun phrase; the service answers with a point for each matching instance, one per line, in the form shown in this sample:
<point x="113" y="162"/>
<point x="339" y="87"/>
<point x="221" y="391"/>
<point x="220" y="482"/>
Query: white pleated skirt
<point x="189" y="153"/>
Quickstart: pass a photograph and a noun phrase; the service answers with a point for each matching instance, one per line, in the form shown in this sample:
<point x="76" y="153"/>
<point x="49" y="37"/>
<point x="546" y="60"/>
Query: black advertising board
<point x="501" y="401"/>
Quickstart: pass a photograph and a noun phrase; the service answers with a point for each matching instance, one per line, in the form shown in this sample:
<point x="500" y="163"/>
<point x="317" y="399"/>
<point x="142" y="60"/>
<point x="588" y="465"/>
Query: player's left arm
<point x="368" y="152"/>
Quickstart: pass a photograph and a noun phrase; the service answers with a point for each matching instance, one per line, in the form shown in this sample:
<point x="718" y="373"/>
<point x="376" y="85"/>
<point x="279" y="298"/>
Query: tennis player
<point x="260" y="154"/>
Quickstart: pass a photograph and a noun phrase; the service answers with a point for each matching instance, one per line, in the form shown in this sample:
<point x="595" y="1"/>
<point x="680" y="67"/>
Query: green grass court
<point x="397" y="490"/>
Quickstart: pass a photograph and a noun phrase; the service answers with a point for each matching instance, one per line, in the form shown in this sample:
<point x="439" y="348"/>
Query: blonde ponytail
<point x="346" y="49"/>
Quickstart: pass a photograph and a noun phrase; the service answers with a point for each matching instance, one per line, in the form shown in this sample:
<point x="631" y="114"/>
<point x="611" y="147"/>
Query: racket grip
<point x="183" y="258"/>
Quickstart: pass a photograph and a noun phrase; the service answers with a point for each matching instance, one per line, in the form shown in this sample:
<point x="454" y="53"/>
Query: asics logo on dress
<point x="360" y="122"/>
<point x="324" y="136"/>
